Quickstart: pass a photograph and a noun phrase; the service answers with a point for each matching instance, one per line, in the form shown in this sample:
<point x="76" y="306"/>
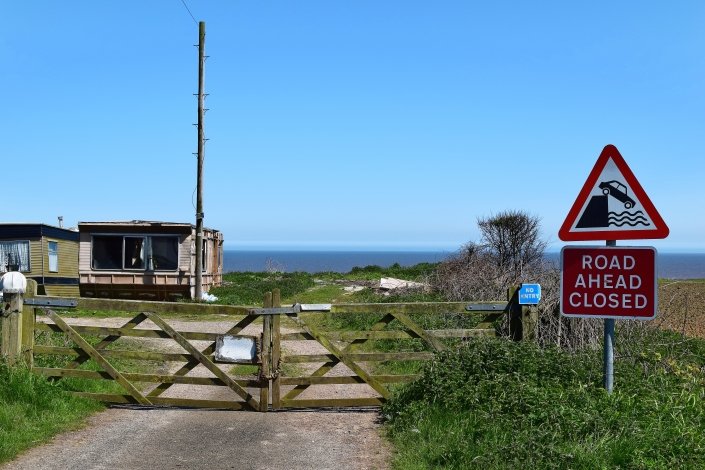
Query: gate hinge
<point x="50" y="302"/>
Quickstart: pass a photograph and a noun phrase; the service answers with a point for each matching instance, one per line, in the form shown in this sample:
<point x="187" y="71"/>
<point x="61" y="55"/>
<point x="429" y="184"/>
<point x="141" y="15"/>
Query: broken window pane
<point x="134" y="252"/>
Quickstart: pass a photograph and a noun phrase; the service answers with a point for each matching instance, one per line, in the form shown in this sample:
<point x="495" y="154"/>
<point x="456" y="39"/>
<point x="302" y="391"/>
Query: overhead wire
<point x="189" y="12"/>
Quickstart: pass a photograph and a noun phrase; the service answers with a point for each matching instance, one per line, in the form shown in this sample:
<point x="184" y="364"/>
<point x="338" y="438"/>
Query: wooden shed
<point x="45" y="253"/>
<point x="146" y="260"/>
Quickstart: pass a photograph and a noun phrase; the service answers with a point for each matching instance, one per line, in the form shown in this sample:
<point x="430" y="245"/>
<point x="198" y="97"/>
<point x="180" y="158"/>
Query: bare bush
<point x="513" y="240"/>
<point x="473" y="275"/>
<point x="512" y="253"/>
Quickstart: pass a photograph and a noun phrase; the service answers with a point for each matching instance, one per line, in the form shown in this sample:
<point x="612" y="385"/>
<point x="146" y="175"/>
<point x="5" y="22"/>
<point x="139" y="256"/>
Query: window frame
<point x="49" y="255"/>
<point x="29" y="254"/>
<point x="146" y="264"/>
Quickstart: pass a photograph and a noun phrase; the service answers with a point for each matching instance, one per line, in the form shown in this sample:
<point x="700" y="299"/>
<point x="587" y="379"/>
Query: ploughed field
<point x="682" y="306"/>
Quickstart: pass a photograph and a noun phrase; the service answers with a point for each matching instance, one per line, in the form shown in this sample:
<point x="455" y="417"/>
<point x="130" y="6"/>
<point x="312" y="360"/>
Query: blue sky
<point x="366" y="124"/>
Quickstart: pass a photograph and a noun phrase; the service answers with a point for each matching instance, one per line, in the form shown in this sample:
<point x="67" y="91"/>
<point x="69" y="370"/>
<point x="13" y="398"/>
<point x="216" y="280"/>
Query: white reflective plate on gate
<point x="236" y="349"/>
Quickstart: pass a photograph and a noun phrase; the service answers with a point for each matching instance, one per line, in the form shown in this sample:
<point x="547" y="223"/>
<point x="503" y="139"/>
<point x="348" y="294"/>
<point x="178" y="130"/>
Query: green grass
<point x="244" y="369"/>
<point x="498" y="404"/>
<point x="33" y="409"/>
<point x="249" y="288"/>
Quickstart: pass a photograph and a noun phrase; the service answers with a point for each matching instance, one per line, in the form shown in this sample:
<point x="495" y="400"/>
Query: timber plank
<point x="431" y="308"/>
<point x="208" y="352"/>
<point x="116" y="353"/>
<point x="264" y="371"/>
<point x="139" y="333"/>
<point x="276" y="354"/>
<point x="430" y="340"/>
<point x="252" y="401"/>
<point x="87" y="348"/>
<point x="360" y="357"/>
<point x="132" y="323"/>
<point x="352" y="365"/>
<point x="136" y="306"/>
<point x="300" y="387"/>
<point x="349" y="379"/>
<point x="162" y="401"/>
<point x="295" y="336"/>
<point x="163" y="378"/>
<point x="325" y="368"/>
<point x="333" y="402"/>
<point x="406" y="334"/>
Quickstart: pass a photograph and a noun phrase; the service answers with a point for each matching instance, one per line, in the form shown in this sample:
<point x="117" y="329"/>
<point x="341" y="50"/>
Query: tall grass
<point x="32" y="409"/>
<point x="498" y="404"/>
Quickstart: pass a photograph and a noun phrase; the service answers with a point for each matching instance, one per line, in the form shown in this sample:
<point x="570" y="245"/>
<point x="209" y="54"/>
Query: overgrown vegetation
<point x="248" y="288"/>
<point x="498" y="404"/>
<point x="32" y="409"/>
<point x="485" y="404"/>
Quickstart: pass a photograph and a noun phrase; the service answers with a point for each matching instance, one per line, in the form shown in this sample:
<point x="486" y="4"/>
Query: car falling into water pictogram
<point x="618" y="191"/>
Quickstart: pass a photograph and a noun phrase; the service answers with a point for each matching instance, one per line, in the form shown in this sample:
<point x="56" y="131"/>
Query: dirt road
<point x="191" y="439"/>
<point x="139" y="438"/>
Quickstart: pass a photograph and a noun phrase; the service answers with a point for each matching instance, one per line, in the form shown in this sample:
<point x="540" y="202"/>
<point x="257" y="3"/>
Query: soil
<point x="682" y="307"/>
<point x="147" y="438"/>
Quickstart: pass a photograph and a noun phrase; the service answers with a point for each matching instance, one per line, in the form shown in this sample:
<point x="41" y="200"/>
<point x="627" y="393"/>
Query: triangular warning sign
<point x="612" y="205"/>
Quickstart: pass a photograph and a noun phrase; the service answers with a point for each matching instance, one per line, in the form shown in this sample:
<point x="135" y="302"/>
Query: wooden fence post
<point x="28" y="320"/>
<point x="529" y="321"/>
<point x="265" y="367"/>
<point x="276" y="352"/>
<point x="522" y="318"/>
<point x="11" y="319"/>
<point x="515" y="314"/>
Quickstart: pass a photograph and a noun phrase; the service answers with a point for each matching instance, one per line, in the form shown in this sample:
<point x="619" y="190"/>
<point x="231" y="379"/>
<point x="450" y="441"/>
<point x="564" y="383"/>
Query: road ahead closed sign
<point x="608" y="282"/>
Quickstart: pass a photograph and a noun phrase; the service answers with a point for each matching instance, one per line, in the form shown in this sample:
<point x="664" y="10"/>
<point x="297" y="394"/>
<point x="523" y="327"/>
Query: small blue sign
<point x="529" y="294"/>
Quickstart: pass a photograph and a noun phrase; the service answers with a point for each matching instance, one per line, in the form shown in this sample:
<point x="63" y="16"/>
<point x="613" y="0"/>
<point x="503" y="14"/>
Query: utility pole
<point x="201" y="151"/>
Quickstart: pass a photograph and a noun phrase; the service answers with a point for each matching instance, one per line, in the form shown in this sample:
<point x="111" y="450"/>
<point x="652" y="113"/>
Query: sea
<point x="669" y="265"/>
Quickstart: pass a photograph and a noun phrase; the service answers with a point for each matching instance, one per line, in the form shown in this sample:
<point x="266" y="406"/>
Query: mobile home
<point x="45" y="253"/>
<point x="146" y="260"/>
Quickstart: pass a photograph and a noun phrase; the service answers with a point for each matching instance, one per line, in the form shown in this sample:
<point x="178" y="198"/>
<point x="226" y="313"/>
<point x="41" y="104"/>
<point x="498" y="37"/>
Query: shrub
<point x="497" y="404"/>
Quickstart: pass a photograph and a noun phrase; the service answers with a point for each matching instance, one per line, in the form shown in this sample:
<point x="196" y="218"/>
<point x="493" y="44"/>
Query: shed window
<point x="53" y="257"/>
<point x="134" y="252"/>
<point x="165" y="253"/>
<point x="139" y="253"/>
<point x="14" y="256"/>
<point x="107" y="252"/>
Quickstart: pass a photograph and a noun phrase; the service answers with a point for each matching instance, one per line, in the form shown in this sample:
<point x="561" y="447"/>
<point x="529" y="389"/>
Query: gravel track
<point x="149" y="438"/>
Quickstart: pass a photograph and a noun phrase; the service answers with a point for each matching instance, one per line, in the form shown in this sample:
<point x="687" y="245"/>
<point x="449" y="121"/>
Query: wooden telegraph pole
<point x="201" y="151"/>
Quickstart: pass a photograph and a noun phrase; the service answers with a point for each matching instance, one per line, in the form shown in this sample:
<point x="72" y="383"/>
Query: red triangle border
<point x="610" y="151"/>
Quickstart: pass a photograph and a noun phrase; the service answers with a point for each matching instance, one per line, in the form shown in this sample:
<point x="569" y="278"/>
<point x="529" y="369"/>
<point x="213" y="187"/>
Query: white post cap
<point x="13" y="283"/>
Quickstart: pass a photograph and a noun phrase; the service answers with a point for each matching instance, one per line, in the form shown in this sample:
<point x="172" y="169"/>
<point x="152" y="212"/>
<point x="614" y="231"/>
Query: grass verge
<point x="498" y="404"/>
<point x="33" y="409"/>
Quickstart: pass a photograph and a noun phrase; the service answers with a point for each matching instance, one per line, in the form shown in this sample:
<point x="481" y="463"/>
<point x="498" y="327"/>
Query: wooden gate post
<point x="276" y="352"/>
<point x="265" y="366"/>
<point x="515" y="314"/>
<point x="28" y="321"/>
<point x="529" y="321"/>
<point x="11" y="318"/>
<point x="522" y="318"/>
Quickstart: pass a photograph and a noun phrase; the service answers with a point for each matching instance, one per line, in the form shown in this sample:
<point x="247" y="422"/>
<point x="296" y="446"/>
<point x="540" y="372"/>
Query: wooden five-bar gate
<point x="346" y="355"/>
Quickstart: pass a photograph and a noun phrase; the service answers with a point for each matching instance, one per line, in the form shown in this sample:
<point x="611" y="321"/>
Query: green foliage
<point x="248" y="288"/>
<point x="497" y="404"/>
<point x="412" y="273"/>
<point x="32" y="409"/>
<point x="368" y="296"/>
